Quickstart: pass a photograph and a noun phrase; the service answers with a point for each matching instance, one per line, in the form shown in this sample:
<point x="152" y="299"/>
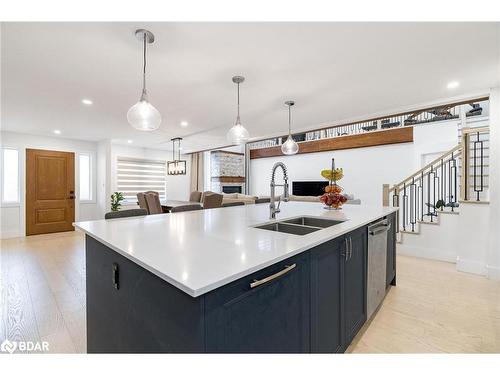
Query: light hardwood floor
<point x="433" y="308"/>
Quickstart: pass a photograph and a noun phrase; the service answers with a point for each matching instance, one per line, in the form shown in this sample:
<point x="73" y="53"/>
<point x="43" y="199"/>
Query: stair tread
<point x="475" y="201"/>
<point x="449" y="212"/>
<point x="471" y="166"/>
<point x="408" y="231"/>
<point x="428" y="222"/>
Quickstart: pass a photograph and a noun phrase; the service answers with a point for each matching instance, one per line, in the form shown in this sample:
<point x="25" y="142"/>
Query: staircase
<point x="458" y="177"/>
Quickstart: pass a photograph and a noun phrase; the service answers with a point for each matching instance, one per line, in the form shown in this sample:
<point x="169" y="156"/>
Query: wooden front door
<point x="50" y="191"/>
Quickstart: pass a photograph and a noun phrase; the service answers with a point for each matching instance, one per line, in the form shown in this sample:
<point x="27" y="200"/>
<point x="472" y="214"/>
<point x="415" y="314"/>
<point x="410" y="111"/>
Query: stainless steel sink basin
<point x="300" y="225"/>
<point x="313" y="221"/>
<point x="288" y="228"/>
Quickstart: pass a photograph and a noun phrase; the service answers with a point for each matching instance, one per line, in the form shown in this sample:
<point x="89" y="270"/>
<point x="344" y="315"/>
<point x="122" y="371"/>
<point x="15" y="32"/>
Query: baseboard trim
<point x="5" y="235"/>
<point x="471" y="266"/>
<point x="424" y="252"/>
<point x="493" y="272"/>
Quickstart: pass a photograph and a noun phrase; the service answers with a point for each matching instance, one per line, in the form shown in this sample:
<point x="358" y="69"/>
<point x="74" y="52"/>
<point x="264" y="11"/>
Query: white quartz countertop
<point x="199" y="251"/>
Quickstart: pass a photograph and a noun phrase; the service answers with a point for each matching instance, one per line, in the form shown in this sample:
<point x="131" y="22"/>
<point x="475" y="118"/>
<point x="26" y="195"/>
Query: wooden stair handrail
<point x="481" y="129"/>
<point x="419" y="172"/>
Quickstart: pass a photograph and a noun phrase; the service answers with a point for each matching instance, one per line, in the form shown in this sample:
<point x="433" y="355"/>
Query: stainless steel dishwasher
<point x="377" y="264"/>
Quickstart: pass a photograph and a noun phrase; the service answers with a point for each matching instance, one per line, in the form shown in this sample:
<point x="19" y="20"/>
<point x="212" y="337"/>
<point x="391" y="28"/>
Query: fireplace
<point x="228" y="189"/>
<point x="227" y="172"/>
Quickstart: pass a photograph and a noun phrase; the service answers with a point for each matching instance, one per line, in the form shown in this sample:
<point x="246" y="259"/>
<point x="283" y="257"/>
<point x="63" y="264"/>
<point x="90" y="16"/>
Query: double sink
<point x="300" y="225"/>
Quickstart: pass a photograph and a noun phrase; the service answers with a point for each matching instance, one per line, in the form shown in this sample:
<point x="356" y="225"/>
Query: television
<point x="308" y="188"/>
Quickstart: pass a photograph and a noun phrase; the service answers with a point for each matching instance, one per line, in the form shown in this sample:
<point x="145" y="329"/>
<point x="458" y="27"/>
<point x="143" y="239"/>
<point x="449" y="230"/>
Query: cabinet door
<point x="355" y="283"/>
<point x="327" y="269"/>
<point x="391" y="251"/>
<point x="269" y="318"/>
<point x="130" y="310"/>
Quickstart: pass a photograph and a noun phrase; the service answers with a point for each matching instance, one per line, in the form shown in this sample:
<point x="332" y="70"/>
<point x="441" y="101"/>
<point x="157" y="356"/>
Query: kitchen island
<point x="210" y="281"/>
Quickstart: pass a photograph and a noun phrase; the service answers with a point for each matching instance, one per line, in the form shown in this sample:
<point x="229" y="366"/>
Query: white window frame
<point x="16" y="203"/>
<point x="92" y="178"/>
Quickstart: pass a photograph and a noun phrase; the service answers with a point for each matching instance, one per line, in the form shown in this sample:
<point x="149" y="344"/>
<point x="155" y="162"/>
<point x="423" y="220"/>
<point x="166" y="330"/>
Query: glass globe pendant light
<point x="238" y="134"/>
<point x="290" y="147"/>
<point x="142" y="115"/>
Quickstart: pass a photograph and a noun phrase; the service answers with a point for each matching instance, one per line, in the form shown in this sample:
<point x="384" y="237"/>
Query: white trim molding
<point x="471" y="266"/>
<point x="493" y="272"/>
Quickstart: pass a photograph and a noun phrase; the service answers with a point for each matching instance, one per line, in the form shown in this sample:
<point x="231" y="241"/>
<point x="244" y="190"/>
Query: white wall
<point x="365" y="169"/>
<point x="103" y="174"/>
<point x="104" y="157"/>
<point x="493" y="266"/>
<point x="13" y="216"/>
<point x="461" y="239"/>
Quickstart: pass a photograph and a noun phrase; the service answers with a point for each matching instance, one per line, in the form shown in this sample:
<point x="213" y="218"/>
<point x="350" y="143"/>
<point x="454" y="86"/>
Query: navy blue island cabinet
<point x="338" y="291"/>
<point x="313" y="302"/>
<point x="272" y="317"/>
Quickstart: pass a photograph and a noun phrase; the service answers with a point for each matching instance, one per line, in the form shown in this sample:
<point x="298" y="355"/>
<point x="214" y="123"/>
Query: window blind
<point x="140" y="175"/>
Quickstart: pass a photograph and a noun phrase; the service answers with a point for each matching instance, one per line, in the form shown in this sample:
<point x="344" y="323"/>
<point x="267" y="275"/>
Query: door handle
<point x="346" y="249"/>
<point x="287" y="269"/>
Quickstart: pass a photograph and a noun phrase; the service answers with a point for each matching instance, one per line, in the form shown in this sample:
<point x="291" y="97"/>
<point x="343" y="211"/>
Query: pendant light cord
<point x="238" y="100"/>
<point x="289" y="121"/>
<point x="178" y="149"/>
<point x="144" y="66"/>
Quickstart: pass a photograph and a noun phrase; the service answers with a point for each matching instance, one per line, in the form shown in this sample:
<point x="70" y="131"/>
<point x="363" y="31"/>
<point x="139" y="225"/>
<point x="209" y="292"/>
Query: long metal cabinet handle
<point x="381" y="229"/>
<point x="346" y="249"/>
<point x="350" y="247"/>
<point x="274" y="276"/>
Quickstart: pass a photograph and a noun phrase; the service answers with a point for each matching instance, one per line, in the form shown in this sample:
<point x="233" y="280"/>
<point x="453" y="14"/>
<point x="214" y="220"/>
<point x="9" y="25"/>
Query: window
<point x="85" y="165"/>
<point x="139" y="175"/>
<point x="10" y="175"/>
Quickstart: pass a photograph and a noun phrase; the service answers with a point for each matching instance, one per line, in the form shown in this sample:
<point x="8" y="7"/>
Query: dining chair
<point x="153" y="202"/>
<point x="141" y="199"/>
<point x="213" y="200"/>
<point x="187" y="207"/>
<point x="195" y="196"/>
<point x="125" y="213"/>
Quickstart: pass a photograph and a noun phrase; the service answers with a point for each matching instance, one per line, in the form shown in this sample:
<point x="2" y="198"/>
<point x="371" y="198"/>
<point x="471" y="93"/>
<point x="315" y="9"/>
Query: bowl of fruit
<point x="333" y="197"/>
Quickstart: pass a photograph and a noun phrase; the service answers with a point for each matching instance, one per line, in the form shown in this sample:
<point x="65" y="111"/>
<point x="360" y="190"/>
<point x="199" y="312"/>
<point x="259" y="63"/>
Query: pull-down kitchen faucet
<point x="273" y="210"/>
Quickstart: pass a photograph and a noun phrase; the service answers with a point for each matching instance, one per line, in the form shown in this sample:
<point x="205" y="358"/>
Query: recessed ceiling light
<point x="87" y="101"/>
<point x="57" y="131"/>
<point x="129" y="141"/>
<point x="184" y="124"/>
<point x="453" y="84"/>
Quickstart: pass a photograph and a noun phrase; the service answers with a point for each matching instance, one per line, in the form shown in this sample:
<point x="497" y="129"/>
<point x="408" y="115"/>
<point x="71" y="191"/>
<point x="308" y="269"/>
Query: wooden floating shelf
<point x="376" y="138"/>
<point x="229" y="179"/>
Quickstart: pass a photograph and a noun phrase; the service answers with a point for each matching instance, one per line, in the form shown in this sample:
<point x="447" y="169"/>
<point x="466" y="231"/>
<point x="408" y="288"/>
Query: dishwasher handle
<point x="374" y="230"/>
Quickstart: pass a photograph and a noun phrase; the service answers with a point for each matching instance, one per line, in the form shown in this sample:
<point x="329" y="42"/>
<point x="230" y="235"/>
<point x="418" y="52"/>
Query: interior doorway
<point x="50" y="191"/>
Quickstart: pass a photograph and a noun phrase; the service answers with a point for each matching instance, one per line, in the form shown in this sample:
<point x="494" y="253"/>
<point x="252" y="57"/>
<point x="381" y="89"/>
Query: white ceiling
<point x="334" y="71"/>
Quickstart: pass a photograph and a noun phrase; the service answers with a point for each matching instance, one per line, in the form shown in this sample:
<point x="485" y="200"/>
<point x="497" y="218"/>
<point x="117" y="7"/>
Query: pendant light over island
<point x="238" y="134"/>
<point x="290" y="147"/>
<point x="143" y="115"/>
